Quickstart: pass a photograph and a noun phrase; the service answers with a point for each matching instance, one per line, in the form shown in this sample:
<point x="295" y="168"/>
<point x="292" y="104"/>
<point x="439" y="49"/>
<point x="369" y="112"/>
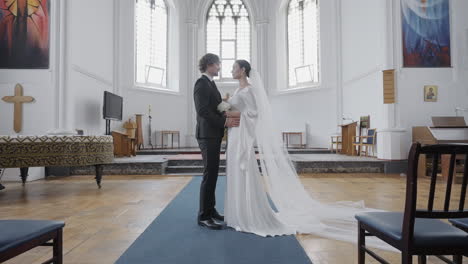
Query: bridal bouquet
<point x="224" y="107"/>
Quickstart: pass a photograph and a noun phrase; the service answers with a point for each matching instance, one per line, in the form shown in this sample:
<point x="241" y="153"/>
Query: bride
<point x="273" y="201"/>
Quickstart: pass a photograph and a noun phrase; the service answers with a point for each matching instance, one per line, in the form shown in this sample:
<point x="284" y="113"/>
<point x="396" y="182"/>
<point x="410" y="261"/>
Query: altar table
<point x="40" y="151"/>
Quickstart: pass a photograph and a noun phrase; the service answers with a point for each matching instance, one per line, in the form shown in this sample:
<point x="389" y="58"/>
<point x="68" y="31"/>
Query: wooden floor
<point x="101" y="224"/>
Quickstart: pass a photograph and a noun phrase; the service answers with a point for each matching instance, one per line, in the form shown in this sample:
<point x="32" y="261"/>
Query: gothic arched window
<point x="151" y="43"/>
<point x="228" y="33"/>
<point x="303" y="43"/>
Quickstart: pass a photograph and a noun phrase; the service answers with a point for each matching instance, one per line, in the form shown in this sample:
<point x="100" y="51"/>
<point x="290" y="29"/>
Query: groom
<point x="209" y="133"/>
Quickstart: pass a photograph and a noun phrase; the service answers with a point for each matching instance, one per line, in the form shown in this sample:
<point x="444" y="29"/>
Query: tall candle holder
<point x="149" y="127"/>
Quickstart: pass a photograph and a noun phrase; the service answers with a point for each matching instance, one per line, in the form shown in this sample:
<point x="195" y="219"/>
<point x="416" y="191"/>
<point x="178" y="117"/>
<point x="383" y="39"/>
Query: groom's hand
<point x="232" y="122"/>
<point x="232" y="114"/>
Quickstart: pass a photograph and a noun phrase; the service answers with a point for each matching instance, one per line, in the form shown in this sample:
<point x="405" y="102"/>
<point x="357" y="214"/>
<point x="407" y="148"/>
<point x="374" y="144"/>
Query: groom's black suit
<point x="209" y="134"/>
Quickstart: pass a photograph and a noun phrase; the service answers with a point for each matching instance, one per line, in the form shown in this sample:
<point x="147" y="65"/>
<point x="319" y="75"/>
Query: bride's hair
<point x="246" y="65"/>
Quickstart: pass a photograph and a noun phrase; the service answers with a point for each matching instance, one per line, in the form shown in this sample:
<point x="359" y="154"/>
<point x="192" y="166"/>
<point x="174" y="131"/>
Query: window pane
<point x="213" y="38"/>
<point x="304" y="74"/>
<point x="154" y="75"/>
<point x="229" y="49"/>
<point x="151" y="42"/>
<point x="228" y="33"/>
<point x="226" y="68"/>
<point x="303" y="39"/>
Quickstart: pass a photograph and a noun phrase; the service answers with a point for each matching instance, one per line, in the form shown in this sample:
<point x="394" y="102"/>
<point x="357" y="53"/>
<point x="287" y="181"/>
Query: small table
<point x="41" y="151"/>
<point x="286" y="137"/>
<point x="172" y="133"/>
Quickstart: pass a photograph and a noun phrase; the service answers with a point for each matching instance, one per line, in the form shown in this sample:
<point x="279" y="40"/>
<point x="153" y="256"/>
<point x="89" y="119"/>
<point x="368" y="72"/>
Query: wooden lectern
<point x="123" y="145"/>
<point x="348" y="133"/>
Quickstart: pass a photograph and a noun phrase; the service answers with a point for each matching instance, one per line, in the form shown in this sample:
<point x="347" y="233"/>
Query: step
<point x="189" y="169"/>
<point x="193" y="162"/>
<point x="155" y="168"/>
<point x="195" y="151"/>
<point x="184" y="162"/>
<point x="339" y="167"/>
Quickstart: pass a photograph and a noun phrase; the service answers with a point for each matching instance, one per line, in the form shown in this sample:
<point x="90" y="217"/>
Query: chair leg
<point x="361" y="245"/>
<point x="422" y="259"/>
<point x="458" y="259"/>
<point x="57" y="249"/>
<point x="406" y="258"/>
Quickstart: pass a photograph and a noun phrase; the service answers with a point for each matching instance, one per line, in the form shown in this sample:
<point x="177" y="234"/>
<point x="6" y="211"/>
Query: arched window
<point x="228" y="33"/>
<point x="303" y="43"/>
<point x="151" y="43"/>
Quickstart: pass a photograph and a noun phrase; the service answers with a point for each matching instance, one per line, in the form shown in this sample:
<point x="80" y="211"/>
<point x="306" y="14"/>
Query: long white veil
<point x="295" y="206"/>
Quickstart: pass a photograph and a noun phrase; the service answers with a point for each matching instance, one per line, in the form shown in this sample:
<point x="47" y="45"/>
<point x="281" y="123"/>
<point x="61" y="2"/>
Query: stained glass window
<point x="228" y="33"/>
<point x="151" y="43"/>
<point x="303" y="42"/>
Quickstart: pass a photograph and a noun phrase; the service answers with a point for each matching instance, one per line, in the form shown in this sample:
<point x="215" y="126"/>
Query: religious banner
<point x="426" y="33"/>
<point x="24" y="34"/>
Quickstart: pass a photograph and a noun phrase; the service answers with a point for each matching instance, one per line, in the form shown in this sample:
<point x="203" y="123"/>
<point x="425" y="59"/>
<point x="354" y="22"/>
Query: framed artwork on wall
<point x="430" y="93"/>
<point x="426" y="33"/>
<point x="24" y="34"/>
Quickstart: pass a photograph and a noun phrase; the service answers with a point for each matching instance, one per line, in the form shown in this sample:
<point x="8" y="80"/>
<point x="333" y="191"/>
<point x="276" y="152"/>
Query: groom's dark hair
<point x="245" y="65"/>
<point x="206" y="61"/>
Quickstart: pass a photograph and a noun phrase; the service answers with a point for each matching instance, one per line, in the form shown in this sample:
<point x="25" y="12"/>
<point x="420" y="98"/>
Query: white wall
<point x="172" y="110"/>
<point x="91" y="61"/>
<point x="364" y="58"/>
<point x="452" y="82"/>
<point x="69" y="94"/>
<point x="96" y="54"/>
<point x="369" y="48"/>
<point x="168" y="109"/>
<point x="40" y="115"/>
<point x="316" y="107"/>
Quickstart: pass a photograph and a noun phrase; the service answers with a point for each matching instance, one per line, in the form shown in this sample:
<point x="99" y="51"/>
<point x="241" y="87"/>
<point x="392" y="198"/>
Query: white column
<point x="192" y="76"/>
<point x="116" y="48"/>
<point x="260" y="53"/>
<point x="389" y="109"/>
<point x="390" y="138"/>
<point x="339" y="63"/>
<point x="61" y="81"/>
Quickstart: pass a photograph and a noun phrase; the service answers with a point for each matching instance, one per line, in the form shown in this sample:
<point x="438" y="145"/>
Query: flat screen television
<point x="113" y="105"/>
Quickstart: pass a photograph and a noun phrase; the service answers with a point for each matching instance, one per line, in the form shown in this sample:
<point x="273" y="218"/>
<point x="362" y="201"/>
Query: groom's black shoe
<point x="217" y="216"/>
<point x="219" y="222"/>
<point x="210" y="223"/>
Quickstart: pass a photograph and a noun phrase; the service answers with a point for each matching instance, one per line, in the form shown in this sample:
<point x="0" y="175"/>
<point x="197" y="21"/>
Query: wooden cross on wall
<point x="18" y="99"/>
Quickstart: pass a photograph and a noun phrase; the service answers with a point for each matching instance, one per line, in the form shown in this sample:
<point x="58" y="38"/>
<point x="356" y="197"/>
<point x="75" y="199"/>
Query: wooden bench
<point x="19" y="236"/>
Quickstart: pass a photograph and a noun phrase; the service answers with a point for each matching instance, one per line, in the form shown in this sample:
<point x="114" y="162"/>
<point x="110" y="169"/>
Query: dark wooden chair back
<point x="411" y="212"/>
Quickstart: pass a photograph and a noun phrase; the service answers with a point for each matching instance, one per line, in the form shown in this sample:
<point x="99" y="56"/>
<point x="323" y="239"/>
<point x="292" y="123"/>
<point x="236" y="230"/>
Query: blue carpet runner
<point x="175" y="237"/>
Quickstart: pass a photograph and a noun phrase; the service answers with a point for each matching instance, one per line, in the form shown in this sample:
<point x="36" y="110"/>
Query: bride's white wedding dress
<point x="246" y="204"/>
<point x="247" y="207"/>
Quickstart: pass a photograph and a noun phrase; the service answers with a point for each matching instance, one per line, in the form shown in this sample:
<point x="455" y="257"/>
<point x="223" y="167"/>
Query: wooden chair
<point x="419" y="231"/>
<point x="336" y="140"/>
<point x="366" y="143"/>
<point x="364" y="125"/>
<point x="460" y="223"/>
<point x="19" y="236"/>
